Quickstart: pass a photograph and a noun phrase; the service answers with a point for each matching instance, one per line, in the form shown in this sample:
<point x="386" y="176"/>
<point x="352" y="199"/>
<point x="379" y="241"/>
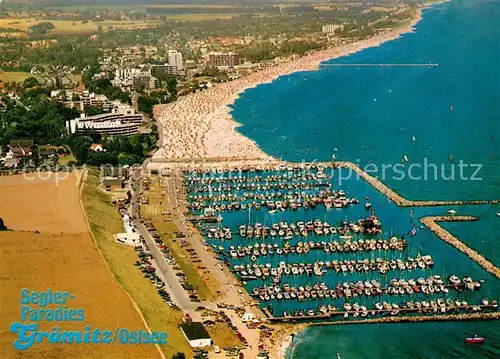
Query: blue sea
<point x="446" y="115"/>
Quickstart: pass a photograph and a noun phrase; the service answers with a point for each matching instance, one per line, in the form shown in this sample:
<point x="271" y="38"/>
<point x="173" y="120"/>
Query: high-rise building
<point x="175" y="59"/>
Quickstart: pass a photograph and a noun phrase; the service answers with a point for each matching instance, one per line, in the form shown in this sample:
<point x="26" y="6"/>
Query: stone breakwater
<point x="446" y="236"/>
<point x="398" y="199"/>
<point x="415" y="319"/>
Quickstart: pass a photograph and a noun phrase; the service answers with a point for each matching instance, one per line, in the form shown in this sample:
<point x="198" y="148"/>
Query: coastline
<point x="199" y="128"/>
<point x="200" y="125"/>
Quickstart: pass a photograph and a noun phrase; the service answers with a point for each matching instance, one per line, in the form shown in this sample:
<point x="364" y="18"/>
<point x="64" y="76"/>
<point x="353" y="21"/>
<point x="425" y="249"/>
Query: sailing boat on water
<point x="413" y="231"/>
<point x="405" y="159"/>
<point x="414" y="138"/>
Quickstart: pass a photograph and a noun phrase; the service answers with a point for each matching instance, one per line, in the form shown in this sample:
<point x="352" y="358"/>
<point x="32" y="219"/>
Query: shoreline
<point x="200" y="125"/>
<point x="200" y="128"/>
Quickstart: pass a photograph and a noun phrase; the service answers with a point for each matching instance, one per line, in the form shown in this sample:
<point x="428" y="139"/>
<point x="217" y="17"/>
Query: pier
<point x="446" y="236"/>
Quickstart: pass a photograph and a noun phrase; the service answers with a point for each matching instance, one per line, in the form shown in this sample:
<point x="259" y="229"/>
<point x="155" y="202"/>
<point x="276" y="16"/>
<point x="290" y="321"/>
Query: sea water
<point x="442" y="114"/>
<point x="372" y="114"/>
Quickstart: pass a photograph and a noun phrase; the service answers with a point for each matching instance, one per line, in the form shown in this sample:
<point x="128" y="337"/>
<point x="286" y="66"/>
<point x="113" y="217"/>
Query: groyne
<point x="431" y="222"/>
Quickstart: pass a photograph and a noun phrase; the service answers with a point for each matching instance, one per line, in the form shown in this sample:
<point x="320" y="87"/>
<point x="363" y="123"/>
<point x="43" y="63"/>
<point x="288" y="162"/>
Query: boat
<point x="414" y="138"/>
<point x="405" y="159"/>
<point x="368" y="205"/>
<point x="451" y="211"/>
<point x="474" y="340"/>
<point x="413" y="231"/>
<point x="498" y="214"/>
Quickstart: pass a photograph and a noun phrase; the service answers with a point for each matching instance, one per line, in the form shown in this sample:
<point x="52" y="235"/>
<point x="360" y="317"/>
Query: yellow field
<point x="14" y="76"/>
<point x="64" y="260"/>
<point x="63" y="27"/>
<point x="104" y="222"/>
<point x="44" y="202"/>
<point x="199" y="17"/>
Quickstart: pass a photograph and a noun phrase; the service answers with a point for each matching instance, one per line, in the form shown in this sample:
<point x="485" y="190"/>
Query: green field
<point x="105" y="221"/>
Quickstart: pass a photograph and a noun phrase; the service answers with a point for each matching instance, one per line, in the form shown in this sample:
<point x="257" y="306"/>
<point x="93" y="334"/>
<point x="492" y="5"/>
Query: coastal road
<point x="175" y="289"/>
<point x="179" y="295"/>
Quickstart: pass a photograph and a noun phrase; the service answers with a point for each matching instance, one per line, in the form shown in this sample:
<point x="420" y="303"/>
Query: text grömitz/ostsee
<point x="34" y="309"/>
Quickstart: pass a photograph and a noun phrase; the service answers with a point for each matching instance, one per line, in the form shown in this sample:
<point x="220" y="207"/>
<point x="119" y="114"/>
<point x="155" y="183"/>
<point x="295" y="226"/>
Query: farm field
<point x="61" y="256"/>
<point x="13" y="76"/>
<point x="63" y="27"/>
<point x="104" y="221"/>
<point x="45" y="204"/>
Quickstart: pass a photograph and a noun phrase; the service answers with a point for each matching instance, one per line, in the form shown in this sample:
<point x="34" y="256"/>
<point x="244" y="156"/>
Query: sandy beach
<point x="200" y="125"/>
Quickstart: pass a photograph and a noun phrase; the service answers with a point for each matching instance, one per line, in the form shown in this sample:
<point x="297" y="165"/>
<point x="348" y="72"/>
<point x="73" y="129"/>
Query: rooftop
<point x="194" y="331"/>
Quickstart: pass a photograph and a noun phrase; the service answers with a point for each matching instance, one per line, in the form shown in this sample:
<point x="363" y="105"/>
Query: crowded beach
<point x="200" y="125"/>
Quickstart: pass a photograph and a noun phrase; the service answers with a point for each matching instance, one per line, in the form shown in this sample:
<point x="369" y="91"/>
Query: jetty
<point x="446" y="236"/>
<point x="397" y="198"/>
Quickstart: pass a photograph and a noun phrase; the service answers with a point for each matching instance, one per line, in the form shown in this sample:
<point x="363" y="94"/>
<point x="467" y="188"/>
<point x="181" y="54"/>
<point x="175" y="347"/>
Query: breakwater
<point x="446" y="236"/>
<point x="390" y="319"/>
<point x="416" y="319"/>
<point x="397" y="198"/>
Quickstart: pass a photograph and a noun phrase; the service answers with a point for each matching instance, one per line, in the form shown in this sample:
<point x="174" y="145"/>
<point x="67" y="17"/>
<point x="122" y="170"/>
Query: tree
<point x="2" y="225"/>
<point x="179" y="356"/>
<point x="94" y="110"/>
<point x="30" y="82"/>
<point x="146" y="104"/>
<point x="171" y="82"/>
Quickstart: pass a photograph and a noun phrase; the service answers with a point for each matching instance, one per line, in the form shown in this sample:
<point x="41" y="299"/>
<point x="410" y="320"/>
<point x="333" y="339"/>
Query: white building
<point x="196" y="335"/>
<point x="175" y="59"/>
<point x="133" y="77"/>
<point x="130" y="237"/>
<point x="330" y="29"/>
<point x="109" y="123"/>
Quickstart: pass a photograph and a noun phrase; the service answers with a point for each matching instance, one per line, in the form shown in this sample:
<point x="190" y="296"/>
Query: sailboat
<point x="405" y="159"/>
<point x="413" y="231"/>
<point x="414" y="138"/>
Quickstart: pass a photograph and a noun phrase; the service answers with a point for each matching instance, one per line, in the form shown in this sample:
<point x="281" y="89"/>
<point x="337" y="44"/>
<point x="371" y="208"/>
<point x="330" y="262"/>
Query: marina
<point x="308" y="250"/>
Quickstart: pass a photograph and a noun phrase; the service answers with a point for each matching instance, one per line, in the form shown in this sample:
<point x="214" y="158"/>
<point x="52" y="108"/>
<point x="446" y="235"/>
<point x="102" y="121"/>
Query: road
<point x="175" y="289"/>
<point x="227" y="283"/>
